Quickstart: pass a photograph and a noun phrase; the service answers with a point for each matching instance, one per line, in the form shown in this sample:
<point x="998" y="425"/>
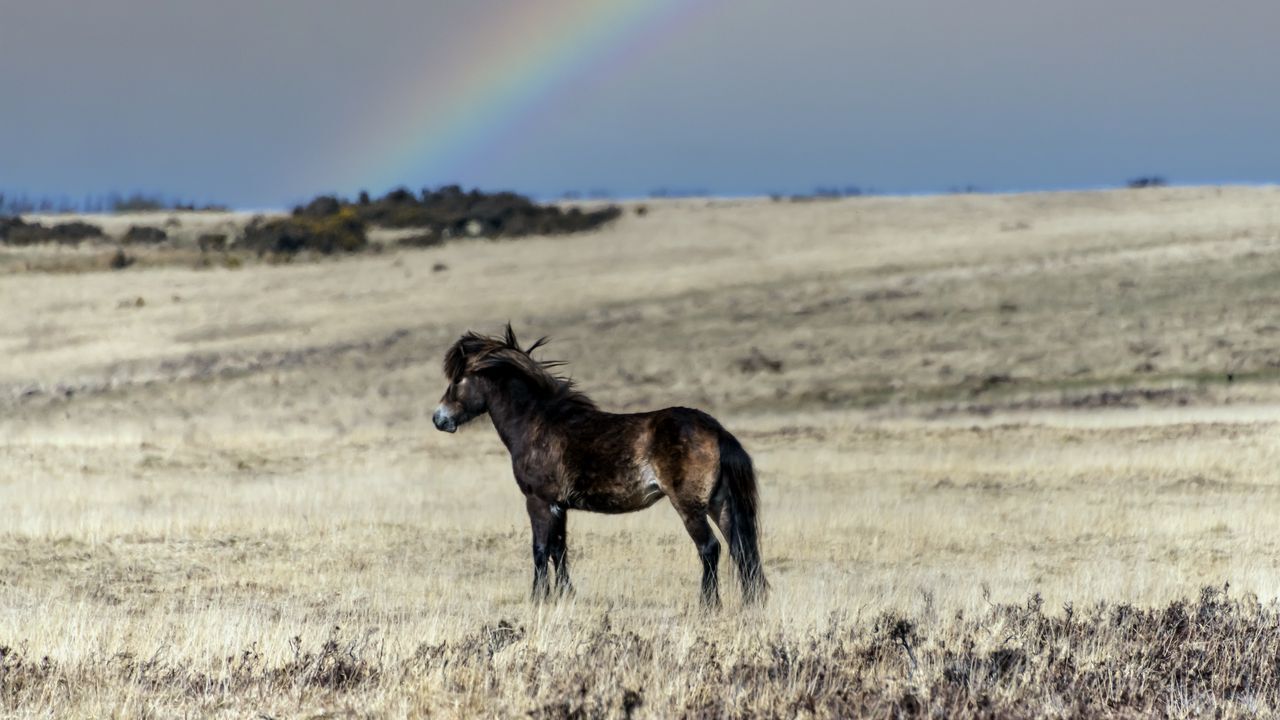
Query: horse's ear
<point x="537" y="344"/>
<point x="455" y="361"/>
<point x="510" y="337"/>
<point x="470" y="343"/>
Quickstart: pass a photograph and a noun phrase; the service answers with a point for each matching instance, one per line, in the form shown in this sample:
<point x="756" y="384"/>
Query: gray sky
<point x="262" y="103"/>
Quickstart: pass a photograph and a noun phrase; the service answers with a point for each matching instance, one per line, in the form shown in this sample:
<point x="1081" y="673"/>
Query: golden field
<point x="1004" y="443"/>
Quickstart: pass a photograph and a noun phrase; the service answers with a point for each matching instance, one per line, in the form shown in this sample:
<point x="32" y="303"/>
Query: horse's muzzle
<point x="443" y="422"/>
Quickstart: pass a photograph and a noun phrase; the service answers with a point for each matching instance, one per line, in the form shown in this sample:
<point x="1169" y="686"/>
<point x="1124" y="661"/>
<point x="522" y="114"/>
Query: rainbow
<point x="429" y="131"/>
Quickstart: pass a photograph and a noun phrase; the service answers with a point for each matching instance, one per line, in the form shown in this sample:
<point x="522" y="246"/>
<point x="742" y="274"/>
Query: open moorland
<point x="1018" y="457"/>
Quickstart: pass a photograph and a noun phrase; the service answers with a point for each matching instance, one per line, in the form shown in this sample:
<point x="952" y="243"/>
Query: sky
<point x="262" y="104"/>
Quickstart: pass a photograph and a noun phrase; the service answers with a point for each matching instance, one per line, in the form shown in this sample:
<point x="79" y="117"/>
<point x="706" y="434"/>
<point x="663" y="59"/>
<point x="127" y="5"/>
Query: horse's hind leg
<point x="558" y="548"/>
<point x="695" y="522"/>
<point x="722" y="514"/>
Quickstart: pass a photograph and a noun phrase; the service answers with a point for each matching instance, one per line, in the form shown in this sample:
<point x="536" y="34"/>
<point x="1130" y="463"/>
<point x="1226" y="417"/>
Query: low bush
<point x="342" y="232"/>
<point x="451" y="212"/>
<point x="212" y="242"/>
<point x="120" y="260"/>
<point x="16" y="231"/>
<point x="144" y="235"/>
<point x="1147" y="181"/>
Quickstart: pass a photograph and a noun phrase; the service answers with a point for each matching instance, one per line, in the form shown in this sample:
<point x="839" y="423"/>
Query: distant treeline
<point x="20" y="204"/>
<point x="444" y="197"/>
<point x="823" y="192"/>
<point x="330" y="224"/>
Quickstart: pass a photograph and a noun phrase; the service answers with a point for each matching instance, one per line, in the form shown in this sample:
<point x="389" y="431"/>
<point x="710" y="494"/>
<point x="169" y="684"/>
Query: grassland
<point x="1005" y="442"/>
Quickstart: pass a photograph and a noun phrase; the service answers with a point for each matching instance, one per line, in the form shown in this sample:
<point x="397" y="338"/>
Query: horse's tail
<point x="738" y="482"/>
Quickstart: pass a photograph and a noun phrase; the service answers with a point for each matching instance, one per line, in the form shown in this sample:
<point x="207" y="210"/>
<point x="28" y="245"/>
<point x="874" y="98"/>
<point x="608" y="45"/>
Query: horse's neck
<point x="519" y="420"/>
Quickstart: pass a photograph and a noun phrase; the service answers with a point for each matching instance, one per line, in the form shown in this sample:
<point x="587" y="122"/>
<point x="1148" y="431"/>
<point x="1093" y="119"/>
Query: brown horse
<point x="569" y="455"/>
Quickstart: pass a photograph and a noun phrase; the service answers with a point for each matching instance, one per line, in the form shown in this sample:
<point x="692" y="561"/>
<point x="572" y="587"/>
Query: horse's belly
<point x="622" y="495"/>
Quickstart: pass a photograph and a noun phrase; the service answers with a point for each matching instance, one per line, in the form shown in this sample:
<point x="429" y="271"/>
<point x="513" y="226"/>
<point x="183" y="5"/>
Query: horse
<point x="567" y="454"/>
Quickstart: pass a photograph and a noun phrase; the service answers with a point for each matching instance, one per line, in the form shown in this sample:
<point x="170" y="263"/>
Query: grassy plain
<point x="1003" y="441"/>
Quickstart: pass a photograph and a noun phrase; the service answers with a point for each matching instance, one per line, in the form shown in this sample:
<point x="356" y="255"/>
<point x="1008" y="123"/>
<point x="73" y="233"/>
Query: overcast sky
<point x="259" y="104"/>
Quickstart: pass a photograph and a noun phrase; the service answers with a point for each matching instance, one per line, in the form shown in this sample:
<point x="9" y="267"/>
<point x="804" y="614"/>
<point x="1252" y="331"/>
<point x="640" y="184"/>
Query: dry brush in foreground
<point x="1216" y="655"/>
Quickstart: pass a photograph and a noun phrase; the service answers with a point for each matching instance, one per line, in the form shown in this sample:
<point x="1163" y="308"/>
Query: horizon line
<point x="62" y="203"/>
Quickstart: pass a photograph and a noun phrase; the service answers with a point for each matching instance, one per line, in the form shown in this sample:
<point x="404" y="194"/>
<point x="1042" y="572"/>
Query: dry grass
<point x="999" y="450"/>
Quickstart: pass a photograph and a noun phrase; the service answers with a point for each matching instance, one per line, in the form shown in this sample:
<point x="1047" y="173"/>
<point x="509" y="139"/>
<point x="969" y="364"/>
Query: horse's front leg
<point x="541" y="521"/>
<point x="558" y="548"/>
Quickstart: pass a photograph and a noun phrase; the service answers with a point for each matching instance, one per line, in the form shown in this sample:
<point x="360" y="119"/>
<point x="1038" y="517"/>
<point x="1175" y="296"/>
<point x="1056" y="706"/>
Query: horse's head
<point x="464" y="400"/>
<point x="479" y="367"/>
<point x="467" y="395"/>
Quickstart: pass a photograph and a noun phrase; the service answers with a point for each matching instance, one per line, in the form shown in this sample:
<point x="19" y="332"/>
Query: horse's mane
<point x="474" y="353"/>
